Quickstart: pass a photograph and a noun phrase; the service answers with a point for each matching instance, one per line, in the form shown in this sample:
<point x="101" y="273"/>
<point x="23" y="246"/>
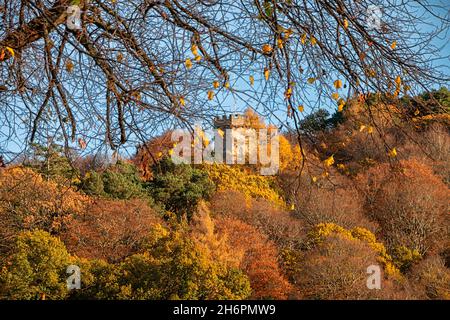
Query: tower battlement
<point x="231" y="121"/>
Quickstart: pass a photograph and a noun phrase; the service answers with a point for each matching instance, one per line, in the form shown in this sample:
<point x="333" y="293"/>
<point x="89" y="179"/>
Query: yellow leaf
<point x="370" y="130"/>
<point x="313" y="41"/>
<point x="216" y="84"/>
<point x="311" y="80"/>
<point x="292" y="207"/>
<point x="194" y="50"/>
<point x="252" y="80"/>
<point x="313" y="179"/>
<point x="398" y="80"/>
<point x="338" y="84"/>
<point x="266" y="73"/>
<point x="335" y="96"/>
<point x="393" y="45"/>
<point x="340" y="107"/>
<point x="393" y="153"/>
<point x="345" y="23"/>
<point x="227" y="85"/>
<point x="267" y="48"/>
<point x="288" y="93"/>
<point x="301" y="108"/>
<point x="361" y="128"/>
<point x="182" y="101"/>
<point x="210" y="95"/>
<point x="280" y="43"/>
<point x="188" y="63"/>
<point x="329" y="162"/>
<point x="11" y="51"/>
<point x="170" y="151"/>
<point x="303" y="38"/>
<point x="160" y="154"/>
<point x="198" y="58"/>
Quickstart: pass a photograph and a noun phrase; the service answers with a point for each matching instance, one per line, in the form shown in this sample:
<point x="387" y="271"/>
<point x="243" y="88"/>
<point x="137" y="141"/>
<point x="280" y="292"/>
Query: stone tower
<point x="233" y="121"/>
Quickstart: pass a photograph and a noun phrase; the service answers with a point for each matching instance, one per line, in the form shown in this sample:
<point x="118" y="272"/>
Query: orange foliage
<point x="151" y="152"/>
<point x="110" y="229"/>
<point x="409" y="202"/>
<point x="259" y="259"/>
<point x="29" y="202"/>
<point x="278" y="224"/>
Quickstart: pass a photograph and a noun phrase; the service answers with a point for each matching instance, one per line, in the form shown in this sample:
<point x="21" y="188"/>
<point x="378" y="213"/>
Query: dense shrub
<point x="257" y="258"/>
<point x="110" y="229"/>
<point x="119" y="181"/>
<point x="410" y="203"/>
<point x="431" y="279"/>
<point x="28" y="202"/>
<point x="36" y="269"/>
<point x="179" y="188"/>
<point x="240" y="179"/>
<point x="276" y="223"/>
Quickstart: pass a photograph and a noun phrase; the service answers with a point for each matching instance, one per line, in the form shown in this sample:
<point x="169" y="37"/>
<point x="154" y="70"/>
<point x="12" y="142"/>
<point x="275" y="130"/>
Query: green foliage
<point x="120" y="181"/>
<point x="404" y="258"/>
<point x="93" y="184"/>
<point x="179" y="187"/>
<point x="37" y="268"/>
<point x="51" y="162"/>
<point x="315" y="122"/>
<point x="99" y="280"/>
<point x="174" y="267"/>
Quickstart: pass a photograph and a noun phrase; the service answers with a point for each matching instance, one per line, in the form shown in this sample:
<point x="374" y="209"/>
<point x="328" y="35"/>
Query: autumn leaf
<point x="416" y="113"/>
<point x="170" y="152"/>
<point x="267" y="48"/>
<point x="313" y="41"/>
<point x="393" y="45"/>
<point x="210" y="95"/>
<point x="361" y="128"/>
<point x="329" y="161"/>
<point x="216" y="84"/>
<point x="69" y="66"/>
<point x="292" y="206"/>
<point x="182" y="101"/>
<point x="82" y="143"/>
<point x="266" y="73"/>
<point x="280" y="43"/>
<point x="340" y="107"/>
<point x="370" y="130"/>
<point x="398" y="81"/>
<point x="198" y="58"/>
<point x="338" y="84"/>
<point x="345" y="23"/>
<point x="288" y="93"/>
<point x="393" y="153"/>
<point x="194" y="50"/>
<point x="159" y="155"/>
<point x="227" y="85"/>
<point x="335" y="96"/>
<point x="11" y="51"/>
<point x="301" y="108"/>
<point x="252" y="80"/>
<point x="303" y="38"/>
<point x="313" y="179"/>
<point x="188" y="63"/>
